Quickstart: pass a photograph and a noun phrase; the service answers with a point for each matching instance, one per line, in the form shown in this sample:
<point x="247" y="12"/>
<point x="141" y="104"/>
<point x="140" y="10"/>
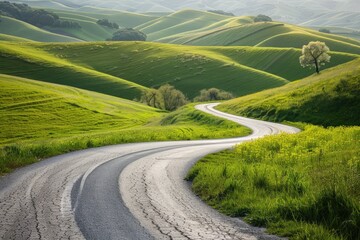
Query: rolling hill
<point x="39" y="120"/>
<point x="87" y="17"/>
<point x="125" y="68"/>
<point x="27" y="61"/>
<point x="14" y="27"/>
<point x="36" y="110"/>
<point x="179" y="22"/>
<point x="329" y="99"/>
<point x="242" y="31"/>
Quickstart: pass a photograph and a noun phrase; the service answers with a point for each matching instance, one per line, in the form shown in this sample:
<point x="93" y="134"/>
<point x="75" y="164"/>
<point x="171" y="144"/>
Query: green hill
<point x="178" y="22"/>
<point x="37" y="110"/>
<point x="331" y="98"/>
<point x="30" y="61"/>
<point x="14" y="27"/>
<point x="10" y="38"/>
<point x="270" y="34"/>
<point x="104" y="66"/>
<point x="39" y="120"/>
<point x="87" y="17"/>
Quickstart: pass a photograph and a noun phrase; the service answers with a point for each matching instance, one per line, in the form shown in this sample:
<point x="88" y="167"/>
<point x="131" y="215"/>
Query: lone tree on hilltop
<point x="314" y="54"/>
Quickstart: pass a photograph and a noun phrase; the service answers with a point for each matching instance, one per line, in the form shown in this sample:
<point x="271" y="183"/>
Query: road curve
<point x="128" y="191"/>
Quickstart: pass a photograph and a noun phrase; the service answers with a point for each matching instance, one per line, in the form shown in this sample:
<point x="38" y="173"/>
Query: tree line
<point x="37" y="17"/>
<point x="107" y="23"/>
<point x="169" y="98"/>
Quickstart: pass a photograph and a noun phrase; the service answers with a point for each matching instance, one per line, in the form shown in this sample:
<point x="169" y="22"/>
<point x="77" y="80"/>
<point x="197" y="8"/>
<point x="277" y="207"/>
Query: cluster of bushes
<point x="221" y="12"/>
<point x="262" y="18"/>
<point x="324" y="30"/>
<point x="107" y="23"/>
<point x="213" y="94"/>
<point x="128" y="34"/>
<point x="37" y="17"/>
<point x="168" y="98"/>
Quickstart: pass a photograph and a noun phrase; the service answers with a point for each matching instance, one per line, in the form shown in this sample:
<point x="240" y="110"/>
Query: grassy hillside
<point x="10" y="38"/>
<point x="331" y="98"/>
<point x="338" y="19"/>
<point x="11" y="26"/>
<point x="86" y="17"/>
<point x="39" y="120"/>
<point x="32" y="110"/>
<point x="103" y="66"/>
<point x="28" y="61"/>
<point x="179" y="22"/>
<point x="271" y="34"/>
<point x="303" y="186"/>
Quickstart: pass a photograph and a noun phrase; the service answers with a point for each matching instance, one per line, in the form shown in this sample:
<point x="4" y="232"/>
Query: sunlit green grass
<point x="39" y="120"/>
<point x="303" y="186"/>
<point x="330" y="99"/>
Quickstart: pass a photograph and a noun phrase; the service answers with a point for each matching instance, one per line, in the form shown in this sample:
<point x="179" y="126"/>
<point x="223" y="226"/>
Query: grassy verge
<point x="303" y="186"/>
<point x="184" y="124"/>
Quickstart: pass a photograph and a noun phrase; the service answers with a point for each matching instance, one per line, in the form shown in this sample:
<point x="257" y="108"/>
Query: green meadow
<point x="303" y="186"/>
<point x="39" y="120"/>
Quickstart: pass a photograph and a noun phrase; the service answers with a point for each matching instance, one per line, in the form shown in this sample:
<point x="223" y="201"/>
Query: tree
<point x="152" y="98"/>
<point x="262" y="18"/>
<point x="128" y="34"/>
<point x="324" y="30"/>
<point x="213" y="94"/>
<point x="166" y="97"/>
<point x="172" y="98"/>
<point x="315" y="54"/>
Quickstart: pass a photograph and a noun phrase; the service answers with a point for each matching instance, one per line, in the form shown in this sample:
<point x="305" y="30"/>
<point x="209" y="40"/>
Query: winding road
<point x="128" y="191"/>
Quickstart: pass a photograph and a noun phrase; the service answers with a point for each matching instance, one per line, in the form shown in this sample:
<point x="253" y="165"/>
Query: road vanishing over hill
<point x="128" y="191"/>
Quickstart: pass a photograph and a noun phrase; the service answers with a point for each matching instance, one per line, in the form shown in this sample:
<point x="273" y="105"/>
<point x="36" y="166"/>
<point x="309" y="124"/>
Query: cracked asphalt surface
<point x="128" y="191"/>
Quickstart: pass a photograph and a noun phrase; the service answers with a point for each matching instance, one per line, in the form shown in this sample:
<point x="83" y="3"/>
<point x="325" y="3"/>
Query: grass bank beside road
<point x="303" y="186"/>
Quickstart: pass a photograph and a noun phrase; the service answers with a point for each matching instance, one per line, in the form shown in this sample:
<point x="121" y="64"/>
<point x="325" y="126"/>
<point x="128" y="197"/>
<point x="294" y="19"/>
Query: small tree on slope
<point x="314" y="55"/>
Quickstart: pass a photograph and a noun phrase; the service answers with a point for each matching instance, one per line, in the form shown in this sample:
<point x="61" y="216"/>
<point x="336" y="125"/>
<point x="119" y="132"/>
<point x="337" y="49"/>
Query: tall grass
<point x="304" y="186"/>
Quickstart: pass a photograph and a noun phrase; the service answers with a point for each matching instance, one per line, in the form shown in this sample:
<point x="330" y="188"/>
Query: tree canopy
<point x="314" y="54"/>
<point x="212" y="94"/>
<point x="128" y="34"/>
<point x="107" y="23"/>
<point x="37" y="17"/>
<point x="262" y="18"/>
<point x="166" y="97"/>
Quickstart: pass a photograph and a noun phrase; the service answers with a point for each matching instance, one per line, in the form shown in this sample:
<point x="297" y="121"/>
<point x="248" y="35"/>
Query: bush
<point x="37" y="17"/>
<point x="262" y="18"/>
<point x="166" y="97"/>
<point x="324" y="30"/>
<point x="128" y="34"/>
<point x="107" y="23"/>
<point x="213" y="94"/>
<point x="221" y="12"/>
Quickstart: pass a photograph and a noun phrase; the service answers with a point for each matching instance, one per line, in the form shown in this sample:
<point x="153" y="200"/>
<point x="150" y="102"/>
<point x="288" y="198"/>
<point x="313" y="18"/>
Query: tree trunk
<point x="317" y="66"/>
